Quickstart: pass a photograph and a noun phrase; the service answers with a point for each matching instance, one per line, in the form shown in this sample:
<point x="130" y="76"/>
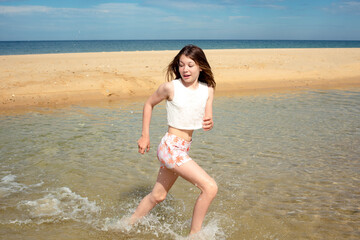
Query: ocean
<point x="43" y="47"/>
<point x="287" y="166"/>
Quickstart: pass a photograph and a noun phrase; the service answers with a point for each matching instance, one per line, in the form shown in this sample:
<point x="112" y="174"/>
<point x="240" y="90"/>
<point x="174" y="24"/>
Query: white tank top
<point x="187" y="108"/>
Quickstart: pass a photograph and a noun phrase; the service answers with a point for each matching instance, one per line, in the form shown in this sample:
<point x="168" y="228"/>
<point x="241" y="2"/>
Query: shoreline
<point x="64" y="79"/>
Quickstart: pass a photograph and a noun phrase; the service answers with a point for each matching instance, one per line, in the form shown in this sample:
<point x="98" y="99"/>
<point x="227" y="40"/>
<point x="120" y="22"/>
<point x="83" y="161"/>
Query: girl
<point x="189" y="106"/>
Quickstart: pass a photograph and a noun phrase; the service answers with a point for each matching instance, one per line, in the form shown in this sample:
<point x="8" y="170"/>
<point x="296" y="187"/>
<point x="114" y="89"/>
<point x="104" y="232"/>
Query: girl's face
<point x="188" y="69"/>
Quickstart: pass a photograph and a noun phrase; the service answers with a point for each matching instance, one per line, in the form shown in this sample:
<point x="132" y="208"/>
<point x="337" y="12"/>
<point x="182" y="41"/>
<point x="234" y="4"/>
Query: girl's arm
<point x="163" y="92"/>
<point x="208" y="123"/>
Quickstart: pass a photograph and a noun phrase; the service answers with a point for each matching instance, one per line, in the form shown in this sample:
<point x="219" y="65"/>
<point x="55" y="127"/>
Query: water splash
<point x="60" y="205"/>
<point x="9" y="185"/>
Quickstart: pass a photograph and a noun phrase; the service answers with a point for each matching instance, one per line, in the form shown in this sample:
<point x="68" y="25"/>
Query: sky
<point x="181" y="19"/>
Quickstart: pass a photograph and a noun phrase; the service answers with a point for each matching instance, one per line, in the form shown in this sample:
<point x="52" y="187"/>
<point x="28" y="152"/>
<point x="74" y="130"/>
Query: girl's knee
<point x="158" y="197"/>
<point x="211" y="188"/>
<point x="214" y="187"/>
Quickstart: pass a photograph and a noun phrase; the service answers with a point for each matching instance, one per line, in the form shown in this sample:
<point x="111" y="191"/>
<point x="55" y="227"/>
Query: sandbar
<point x="53" y="80"/>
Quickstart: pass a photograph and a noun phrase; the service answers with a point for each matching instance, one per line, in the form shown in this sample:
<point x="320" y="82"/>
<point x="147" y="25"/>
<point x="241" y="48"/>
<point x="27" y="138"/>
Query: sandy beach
<point x="53" y="80"/>
<point x="287" y="165"/>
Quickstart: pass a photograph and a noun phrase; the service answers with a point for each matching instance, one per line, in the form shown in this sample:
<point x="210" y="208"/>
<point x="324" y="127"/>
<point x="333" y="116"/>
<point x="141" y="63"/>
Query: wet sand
<point x="53" y="80"/>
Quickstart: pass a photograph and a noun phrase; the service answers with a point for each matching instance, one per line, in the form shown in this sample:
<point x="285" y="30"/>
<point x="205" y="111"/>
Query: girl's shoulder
<point x="169" y="86"/>
<point x="166" y="89"/>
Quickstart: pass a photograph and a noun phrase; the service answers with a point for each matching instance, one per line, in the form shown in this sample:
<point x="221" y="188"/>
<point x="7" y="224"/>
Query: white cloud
<point x="344" y="6"/>
<point x="173" y="19"/>
<point x="289" y="17"/>
<point x="24" y="9"/>
<point x="237" y="17"/>
<point x="271" y="6"/>
<point x="126" y="9"/>
<point x="186" y="5"/>
<point x="350" y="5"/>
<point x="107" y="8"/>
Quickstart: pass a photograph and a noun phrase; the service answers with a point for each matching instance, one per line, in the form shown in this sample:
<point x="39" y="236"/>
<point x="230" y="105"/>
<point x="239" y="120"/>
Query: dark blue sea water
<point x="42" y="47"/>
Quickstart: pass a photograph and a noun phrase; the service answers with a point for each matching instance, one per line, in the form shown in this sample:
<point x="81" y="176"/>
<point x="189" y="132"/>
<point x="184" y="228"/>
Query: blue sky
<point x="160" y="19"/>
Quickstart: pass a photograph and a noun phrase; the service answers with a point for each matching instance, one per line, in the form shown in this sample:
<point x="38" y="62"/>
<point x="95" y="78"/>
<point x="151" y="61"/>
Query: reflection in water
<point x="287" y="167"/>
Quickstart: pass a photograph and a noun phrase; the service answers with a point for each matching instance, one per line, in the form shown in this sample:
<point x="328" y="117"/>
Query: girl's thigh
<point x="166" y="178"/>
<point x="193" y="173"/>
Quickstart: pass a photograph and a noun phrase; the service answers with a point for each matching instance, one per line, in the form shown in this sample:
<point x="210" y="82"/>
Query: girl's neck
<point x="192" y="85"/>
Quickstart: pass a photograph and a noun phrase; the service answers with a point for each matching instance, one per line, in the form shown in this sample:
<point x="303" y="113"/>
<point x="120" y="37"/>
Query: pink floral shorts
<point x="173" y="150"/>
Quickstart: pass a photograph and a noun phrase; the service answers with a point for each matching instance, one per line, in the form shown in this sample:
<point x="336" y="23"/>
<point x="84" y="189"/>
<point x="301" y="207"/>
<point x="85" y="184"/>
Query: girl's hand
<point x="144" y="144"/>
<point x="208" y="123"/>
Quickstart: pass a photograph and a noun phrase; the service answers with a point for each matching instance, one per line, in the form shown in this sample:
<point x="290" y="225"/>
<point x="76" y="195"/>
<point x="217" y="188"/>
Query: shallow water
<point x="287" y="166"/>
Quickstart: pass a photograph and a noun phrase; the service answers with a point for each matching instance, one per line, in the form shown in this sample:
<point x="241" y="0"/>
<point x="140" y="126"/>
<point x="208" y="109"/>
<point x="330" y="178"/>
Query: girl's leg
<point x="193" y="173"/>
<point x="166" y="178"/>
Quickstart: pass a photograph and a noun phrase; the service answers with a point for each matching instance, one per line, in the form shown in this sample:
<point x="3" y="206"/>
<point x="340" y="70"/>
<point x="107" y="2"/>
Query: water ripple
<point x="287" y="166"/>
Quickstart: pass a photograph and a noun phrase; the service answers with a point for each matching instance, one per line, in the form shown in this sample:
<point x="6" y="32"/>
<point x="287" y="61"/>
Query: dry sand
<point x="53" y="80"/>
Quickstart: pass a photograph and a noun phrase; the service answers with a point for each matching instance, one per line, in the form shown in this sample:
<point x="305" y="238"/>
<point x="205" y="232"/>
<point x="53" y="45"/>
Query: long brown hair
<point x="198" y="56"/>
